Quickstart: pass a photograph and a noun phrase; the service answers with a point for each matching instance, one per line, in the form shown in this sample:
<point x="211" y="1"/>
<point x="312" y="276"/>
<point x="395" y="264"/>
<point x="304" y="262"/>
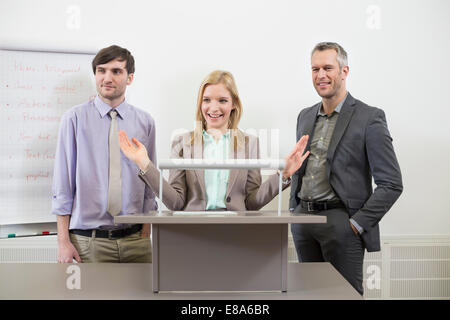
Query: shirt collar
<point x="209" y="137"/>
<point x="104" y="108"/>
<point x="337" y="109"/>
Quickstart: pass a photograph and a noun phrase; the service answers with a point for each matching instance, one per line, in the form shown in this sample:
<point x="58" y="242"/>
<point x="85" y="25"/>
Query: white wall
<point x="398" y="57"/>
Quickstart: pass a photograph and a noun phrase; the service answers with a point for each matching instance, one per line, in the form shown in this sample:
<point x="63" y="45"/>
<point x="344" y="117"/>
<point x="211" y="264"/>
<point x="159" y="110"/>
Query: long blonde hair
<point x="227" y="79"/>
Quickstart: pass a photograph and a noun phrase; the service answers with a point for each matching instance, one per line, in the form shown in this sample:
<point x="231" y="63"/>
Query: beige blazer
<point x="185" y="189"/>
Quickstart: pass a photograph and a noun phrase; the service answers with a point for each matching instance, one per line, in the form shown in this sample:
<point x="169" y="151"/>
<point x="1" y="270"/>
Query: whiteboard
<point x="36" y="88"/>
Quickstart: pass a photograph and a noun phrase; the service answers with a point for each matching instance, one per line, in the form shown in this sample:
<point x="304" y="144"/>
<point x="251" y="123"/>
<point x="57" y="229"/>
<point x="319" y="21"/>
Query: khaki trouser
<point x="131" y="248"/>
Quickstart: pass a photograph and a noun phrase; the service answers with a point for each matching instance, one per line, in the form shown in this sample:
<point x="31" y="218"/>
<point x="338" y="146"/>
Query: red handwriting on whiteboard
<point x="38" y="155"/>
<point x="32" y="155"/>
<point x="24" y="86"/>
<point x="65" y="89"/>
<point x="41" y="136"/>
<point x="23" y="67"/>
<point x="24" y="103"/>
<point x="24" y="136"/>
<point x="32" y="104"/>
<point x="46" y="118"/>
<point x="36" y="176"/>
<point x="57" y="69"/>
<point x="19" y="66"/>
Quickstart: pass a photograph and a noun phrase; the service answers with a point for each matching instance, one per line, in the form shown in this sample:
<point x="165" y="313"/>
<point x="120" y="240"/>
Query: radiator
<point x="411" y="268"/>
<point x="42" y="249"/>
<point x="407" y="267"/>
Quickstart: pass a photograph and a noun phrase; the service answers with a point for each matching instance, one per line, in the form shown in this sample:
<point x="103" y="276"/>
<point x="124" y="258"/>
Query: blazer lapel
<point x="198" y="154"/>
<point x="310" y="121"/>
<point x="342" y="123"/>
<point x="237" y="151"/>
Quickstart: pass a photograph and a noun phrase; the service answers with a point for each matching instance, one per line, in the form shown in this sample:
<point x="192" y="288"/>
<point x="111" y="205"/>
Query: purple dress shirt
<point x="81" y="171"/>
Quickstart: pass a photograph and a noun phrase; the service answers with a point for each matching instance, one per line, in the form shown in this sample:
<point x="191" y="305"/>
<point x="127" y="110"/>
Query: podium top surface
<point x="220" y="217"/>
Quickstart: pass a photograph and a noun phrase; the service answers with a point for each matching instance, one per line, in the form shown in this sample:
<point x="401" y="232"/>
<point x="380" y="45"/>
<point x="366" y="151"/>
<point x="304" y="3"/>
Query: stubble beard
<point x="111" y="96"/>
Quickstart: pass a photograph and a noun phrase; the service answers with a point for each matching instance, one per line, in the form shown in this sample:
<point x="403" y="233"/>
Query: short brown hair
<point x="111" y="53"/>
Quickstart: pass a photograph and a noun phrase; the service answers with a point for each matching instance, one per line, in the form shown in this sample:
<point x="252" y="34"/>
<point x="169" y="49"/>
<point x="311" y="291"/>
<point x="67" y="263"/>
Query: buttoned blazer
<point x="185" y="189"/>
<point x="360" y="149"/>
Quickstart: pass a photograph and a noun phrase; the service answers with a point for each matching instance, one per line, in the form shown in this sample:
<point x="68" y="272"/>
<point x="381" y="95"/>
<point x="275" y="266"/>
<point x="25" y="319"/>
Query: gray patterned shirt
<point x="315" y="184"/>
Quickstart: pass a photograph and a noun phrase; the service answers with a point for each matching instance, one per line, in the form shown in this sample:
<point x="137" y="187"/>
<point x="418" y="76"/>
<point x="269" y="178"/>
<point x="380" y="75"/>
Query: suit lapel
<point x="198" y="154"/>
<point x="310" y="121"/>
<point x="236" y="151"/>
<point x="342" y="123"/>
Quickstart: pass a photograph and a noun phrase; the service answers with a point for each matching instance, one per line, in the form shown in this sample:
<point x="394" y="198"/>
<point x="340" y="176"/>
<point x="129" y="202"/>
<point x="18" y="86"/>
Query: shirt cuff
<point x="357" y="226"/>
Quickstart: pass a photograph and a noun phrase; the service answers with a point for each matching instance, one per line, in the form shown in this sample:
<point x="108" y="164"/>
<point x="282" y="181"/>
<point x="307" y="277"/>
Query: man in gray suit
<point x="349" y="144"/>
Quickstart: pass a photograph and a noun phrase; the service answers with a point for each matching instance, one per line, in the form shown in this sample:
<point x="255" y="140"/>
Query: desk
<point x="134" y="281"/>
<point x="213" y="251"/>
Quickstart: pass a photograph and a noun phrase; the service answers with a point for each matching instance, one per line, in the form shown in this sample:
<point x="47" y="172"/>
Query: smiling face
<point x="111" y="80"/>
<point x="328" y="78"/>
<point x="216" y="107"/>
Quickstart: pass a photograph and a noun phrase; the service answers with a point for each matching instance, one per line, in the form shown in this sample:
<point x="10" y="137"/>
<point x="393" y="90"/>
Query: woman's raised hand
<point x="295" y="159"/>
<point x="133" y="150"/>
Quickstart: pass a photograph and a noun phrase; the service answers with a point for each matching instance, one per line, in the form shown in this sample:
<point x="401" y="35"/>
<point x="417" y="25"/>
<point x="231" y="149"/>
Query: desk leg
<point x="284" y="257"/>
<point x="155" y="257"/>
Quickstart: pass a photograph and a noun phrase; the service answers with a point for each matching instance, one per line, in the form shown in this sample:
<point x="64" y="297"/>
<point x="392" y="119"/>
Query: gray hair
<point x="341" y="54"/>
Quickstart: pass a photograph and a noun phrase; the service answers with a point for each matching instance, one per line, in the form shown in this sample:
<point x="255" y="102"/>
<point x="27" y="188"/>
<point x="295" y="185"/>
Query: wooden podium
<point x="220" y="251"/>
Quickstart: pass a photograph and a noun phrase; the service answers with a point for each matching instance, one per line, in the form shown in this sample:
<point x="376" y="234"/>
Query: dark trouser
<point x="333" y="242"/>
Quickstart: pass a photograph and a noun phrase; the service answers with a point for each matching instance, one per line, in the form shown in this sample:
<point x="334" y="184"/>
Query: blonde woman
<point x="216" y="137"/>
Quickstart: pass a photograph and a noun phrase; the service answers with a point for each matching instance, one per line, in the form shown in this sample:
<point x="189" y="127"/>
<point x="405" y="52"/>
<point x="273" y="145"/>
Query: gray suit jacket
<point x="360" y="148"/>
<point x="185" y="189"/>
